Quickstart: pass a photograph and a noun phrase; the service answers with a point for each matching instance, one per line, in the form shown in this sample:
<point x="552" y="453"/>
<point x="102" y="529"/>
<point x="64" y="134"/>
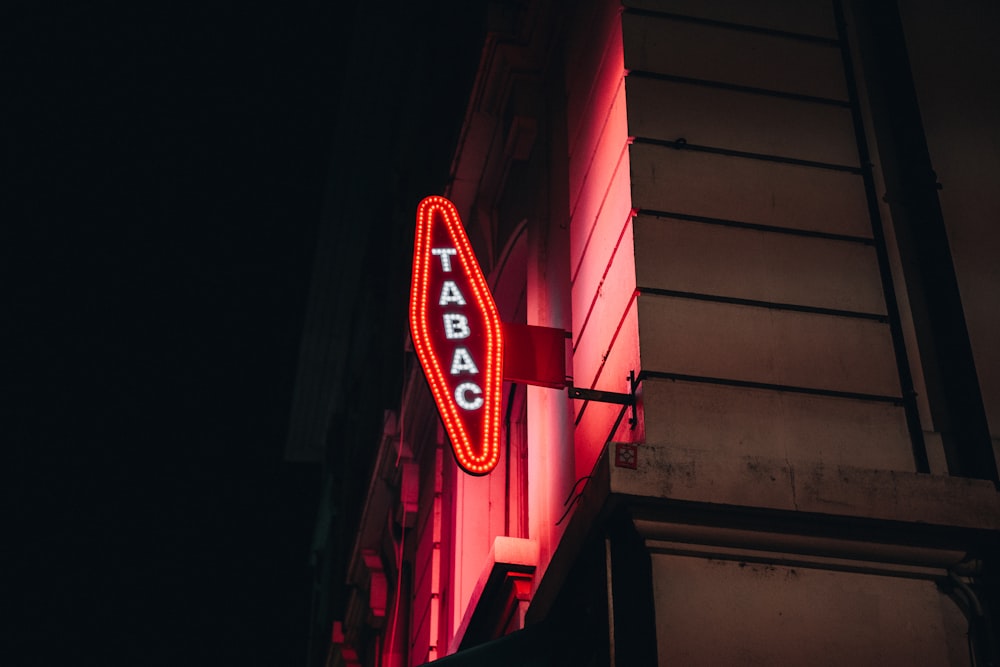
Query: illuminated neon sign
<point x="457" y="335"/>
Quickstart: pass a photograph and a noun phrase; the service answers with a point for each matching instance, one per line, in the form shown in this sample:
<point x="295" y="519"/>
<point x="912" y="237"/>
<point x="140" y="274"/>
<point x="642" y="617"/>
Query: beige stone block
<point x="609" y="349"/>
<point x="748" y="190"/>
<point x="593" y="33"/>
<point x="598" y="152"/>
<point x="740" y="121"/>
<point x="741" y="421"/>
<point x="743" y="263"/>
<point x="806" y="17"/>
<point x="682" y="475"/>
<point x="720" y="340"/>
<point x="727" y="612"/>
<point x="606" y="280"/>
<point x="598" y="219"/>
<point x="713" y="53"/>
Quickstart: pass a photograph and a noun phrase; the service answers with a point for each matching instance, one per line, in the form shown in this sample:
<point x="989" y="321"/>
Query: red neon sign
<point x="457" y="335"/>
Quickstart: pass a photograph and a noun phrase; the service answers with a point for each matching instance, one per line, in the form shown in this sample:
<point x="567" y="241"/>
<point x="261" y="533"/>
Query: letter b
<point x="456" y="325"/>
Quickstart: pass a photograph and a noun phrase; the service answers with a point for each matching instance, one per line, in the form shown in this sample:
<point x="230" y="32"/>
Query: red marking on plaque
<point x="626" y="455"/>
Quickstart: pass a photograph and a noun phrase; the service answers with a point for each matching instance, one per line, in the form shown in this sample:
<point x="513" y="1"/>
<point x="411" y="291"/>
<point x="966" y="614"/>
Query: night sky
<point x="166" y="163"/>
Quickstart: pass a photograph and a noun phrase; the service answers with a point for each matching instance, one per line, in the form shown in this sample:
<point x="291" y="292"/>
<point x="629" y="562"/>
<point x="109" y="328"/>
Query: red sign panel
<point x="457" y="335"/>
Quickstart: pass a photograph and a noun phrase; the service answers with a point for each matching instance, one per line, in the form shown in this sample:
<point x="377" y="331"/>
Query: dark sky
<point x="166" y="162"/>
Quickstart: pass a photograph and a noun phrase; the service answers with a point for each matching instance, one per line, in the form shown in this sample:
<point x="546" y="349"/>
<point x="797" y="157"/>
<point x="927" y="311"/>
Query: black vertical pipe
<point x="916" y="432"/>
<point x="632" y="612"/>
<point x="952" y="385"/>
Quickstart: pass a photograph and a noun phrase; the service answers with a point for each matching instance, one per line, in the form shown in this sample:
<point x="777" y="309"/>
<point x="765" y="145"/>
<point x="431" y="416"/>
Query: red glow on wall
<point x="457" y="335"/>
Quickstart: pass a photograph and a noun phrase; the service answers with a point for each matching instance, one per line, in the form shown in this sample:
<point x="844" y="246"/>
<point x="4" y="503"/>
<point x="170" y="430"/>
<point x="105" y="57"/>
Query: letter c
<point x="463" y="401"/>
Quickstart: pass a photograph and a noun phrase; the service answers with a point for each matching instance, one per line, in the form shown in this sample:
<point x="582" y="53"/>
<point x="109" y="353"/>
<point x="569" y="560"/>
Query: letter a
<point x="450" y="294"/>
<point x="461" y="362"/>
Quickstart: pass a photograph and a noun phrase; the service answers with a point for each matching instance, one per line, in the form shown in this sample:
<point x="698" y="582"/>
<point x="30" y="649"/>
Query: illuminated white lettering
<point x="456" y="325"/>
<point x="461" y="362"/>
<point x="450" y="294"/>
<point x="445" y="255"/>
<point x="461" y="396"/>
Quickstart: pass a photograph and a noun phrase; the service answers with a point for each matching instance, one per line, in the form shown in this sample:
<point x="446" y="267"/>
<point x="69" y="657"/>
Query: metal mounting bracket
<point x="610" y="397"/>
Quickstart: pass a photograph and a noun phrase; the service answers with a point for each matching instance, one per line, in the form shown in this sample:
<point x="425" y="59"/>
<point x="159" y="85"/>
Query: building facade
<point x="769" y="231"/>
